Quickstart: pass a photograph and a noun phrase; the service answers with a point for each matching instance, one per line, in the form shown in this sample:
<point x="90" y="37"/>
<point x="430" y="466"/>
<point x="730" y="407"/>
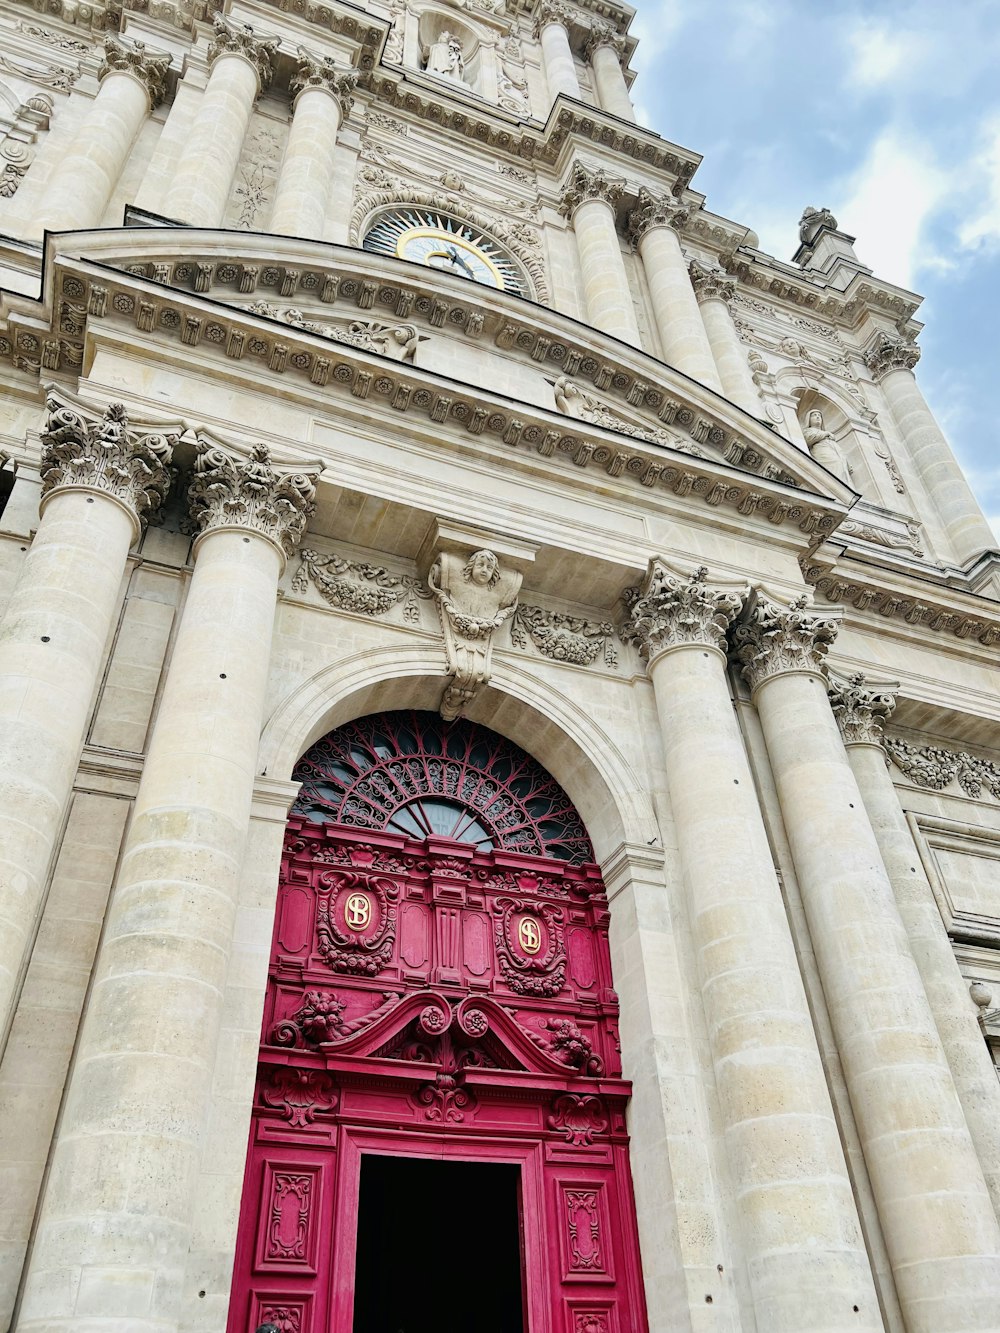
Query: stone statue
<point x="446" y="59"/>
<point x="813" y="221"/>
<point x="824" y="447"/>
<point x="474" y="596"/>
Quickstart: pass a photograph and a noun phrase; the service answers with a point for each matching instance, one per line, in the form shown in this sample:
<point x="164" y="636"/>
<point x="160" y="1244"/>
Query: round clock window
<point x="425" y="236"/>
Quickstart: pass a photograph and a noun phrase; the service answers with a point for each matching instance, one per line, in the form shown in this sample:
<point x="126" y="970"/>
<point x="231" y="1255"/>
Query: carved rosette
<point x="860" y="710"/>
<point x="237" y="39"/>
<point x="603" y="34"/>
<point x="322" y="72"/>
<point x="106" y="453"/>
<point x="587" y="183"/>
<point x="230" y="492"/>
<point x="148" y="67"/>
<point x="552" y="11"/>
<point x="711" y="283"/>
<point x="773" y="640"/>
<point x="655" y="210"/>
<point x="668" y="611"/>
<point x="886" y="353"/>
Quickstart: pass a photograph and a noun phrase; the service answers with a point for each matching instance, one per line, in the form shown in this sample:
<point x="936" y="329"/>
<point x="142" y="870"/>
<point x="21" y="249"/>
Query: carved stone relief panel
<point x="257" y="173"/>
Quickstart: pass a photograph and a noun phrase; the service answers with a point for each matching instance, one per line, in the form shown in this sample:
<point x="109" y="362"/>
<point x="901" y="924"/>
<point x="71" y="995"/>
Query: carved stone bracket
<point x="315" y="71"/>
<point x="563" y="638"/>
<point x="861" y="711"/>
<point x="228" y="492"/>
<point x="603" y="34"/>
<point x="929" y="766"/>
<point x="773" y="640"/>
<point x="107" y="453"/>
<point x="350" y="585"/>
<point x="655" y="210"/>
<point x="591" y="183"/>
<point x="886" y="353"/>
<point x="711" y="283"/>
<point x="237" y="39"/>
<point x="475" y="596"/>
<point x="149" y="67"/>
<point x="668" y="610"/>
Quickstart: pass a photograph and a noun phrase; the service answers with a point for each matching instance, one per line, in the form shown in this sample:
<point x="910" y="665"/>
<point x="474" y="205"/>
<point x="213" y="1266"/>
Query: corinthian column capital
<point x="105" y="453"/>
<point x="773" y="640"/>
<point x="603" y="34"/>
<point x="233" y="38"/>
<point x="148" y="67"/>
<point x="552" y="11"/>
<point x="860" y="709"/>
<point x="655" y="210"/>
<point x="709" y="282"/>
<point x="668" y="610"/>
<point x="885" y="353"/>
<point x="590" y="183"/>
<point x="230" y="492"/>
<point x="315" y="71"/>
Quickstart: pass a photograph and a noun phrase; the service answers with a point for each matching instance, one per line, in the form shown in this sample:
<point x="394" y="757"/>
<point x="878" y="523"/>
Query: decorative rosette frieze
<point x="237" y="39"/>
<point x="231" y="492"/>
<point x="669" y="610"/>
<point x="773" y="640"/>
<point x="323" y="72"/>
<point x="591" y="183"/>
<point x="885" y="353"/>
<point x="655" y="210"/>
<point x="603" y="34"/>
<point x="148" y="67"/>
<point x="861" y="710"/>
<point x="552" y="11"/>
<point x="711" y="283"/>
<point x="107" y="453"/>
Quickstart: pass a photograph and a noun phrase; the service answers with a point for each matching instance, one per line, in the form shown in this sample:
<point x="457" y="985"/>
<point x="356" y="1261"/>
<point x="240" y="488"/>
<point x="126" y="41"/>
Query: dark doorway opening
<point x="439" y="1247"/>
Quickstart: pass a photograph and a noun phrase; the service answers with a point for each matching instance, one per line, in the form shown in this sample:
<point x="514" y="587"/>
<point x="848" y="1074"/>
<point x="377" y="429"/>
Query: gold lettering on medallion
<point x="358" y="911"/>
<point x="529" y="934"/>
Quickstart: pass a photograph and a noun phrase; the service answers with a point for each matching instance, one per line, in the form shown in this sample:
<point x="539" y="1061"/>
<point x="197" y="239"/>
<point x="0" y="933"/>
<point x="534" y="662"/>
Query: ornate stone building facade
<point x="497" y="674"/>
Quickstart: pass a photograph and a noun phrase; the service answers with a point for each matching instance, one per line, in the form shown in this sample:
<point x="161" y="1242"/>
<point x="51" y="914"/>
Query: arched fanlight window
<point x="414" y="773"/>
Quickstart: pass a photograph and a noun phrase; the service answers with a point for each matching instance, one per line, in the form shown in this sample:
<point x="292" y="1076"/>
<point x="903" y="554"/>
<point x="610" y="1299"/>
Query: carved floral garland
<point x="929" y="766"/>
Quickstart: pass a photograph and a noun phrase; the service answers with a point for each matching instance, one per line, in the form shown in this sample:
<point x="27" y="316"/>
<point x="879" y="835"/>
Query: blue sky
<point x="886" y="112"/>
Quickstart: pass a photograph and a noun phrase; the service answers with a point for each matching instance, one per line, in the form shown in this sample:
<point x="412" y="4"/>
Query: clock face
<point x="424" y="236"/>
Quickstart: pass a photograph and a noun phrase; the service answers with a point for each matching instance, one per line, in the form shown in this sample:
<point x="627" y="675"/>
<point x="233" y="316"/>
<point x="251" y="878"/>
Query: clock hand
<point x="456" y="258"/>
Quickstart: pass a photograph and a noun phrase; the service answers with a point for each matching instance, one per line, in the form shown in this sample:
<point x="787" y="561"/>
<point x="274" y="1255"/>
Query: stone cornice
<point x="886" y="353"/>
<point x="586" y="183"/>
<point x="233" y="38"/>
<point x="652" y="210"/>
<point x="317" y="71"/>
<point x="861" y="709"/>
<point x="148" y="67"/>
<point x="771" y="640"/>
<point x="709" y="282"/>
<point x="669" y="610"/>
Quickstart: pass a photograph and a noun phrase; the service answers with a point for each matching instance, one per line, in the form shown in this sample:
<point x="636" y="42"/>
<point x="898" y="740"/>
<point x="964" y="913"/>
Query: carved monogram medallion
<point x="356" y="921"/>
<point x="530" y="947"/>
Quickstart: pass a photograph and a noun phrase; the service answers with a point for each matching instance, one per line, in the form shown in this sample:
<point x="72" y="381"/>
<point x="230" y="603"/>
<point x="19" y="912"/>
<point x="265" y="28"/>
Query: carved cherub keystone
<point x="474" y="596"/>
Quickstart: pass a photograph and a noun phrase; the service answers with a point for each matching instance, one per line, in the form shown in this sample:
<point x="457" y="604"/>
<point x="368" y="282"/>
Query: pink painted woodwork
<point x="431" y="997"/>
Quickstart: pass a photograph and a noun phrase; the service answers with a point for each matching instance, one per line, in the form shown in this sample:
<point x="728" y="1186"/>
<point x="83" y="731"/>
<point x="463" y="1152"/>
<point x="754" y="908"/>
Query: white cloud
<point x="882" y="54"/>
<point x="983" y="226"/>
<point x="888" y="202"/>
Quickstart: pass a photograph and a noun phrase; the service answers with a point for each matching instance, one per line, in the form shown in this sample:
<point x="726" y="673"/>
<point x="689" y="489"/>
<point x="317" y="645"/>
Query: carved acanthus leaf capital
<point x="603" y="34"/>
<point x="591" y="183"/>
<point x="552" y="11"/>
<point x="668" y="610"/>
<point x="709" y="282"/>
<point x="315" y="71"/>
<point x="774" y="640"/>
<point x="861" y="710"/>
<point x="149" y="67"/>
<point x="230" y="492"/>
<point x="886" y="353"/>
<point x="655" y="210"/>
<point x="234" y="38"/>
<point x="107" y="453"/>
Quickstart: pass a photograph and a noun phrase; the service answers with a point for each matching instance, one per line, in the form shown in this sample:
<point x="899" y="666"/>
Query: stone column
<point x="605" y="50"/>
<point x="115" y="1223"/>
<point x="940" y="1229"/>
<point x="891" y="361"/>
<point x="860" y="711"/>
<point x="241" y="69"/>
<point x="653" y="225"/>
<point x="713" y="291"/>
<point x="132" y="83"/>
<point x="321" y="100"/>
<point x="590" y="202"/>
<point x="802" y="1240"/>
<point x="100" y="478"/>
<point x="552" y="23"/>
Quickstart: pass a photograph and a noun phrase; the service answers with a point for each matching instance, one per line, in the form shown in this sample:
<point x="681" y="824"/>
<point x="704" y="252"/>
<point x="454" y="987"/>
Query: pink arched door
<point x="438" y="1141"/>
